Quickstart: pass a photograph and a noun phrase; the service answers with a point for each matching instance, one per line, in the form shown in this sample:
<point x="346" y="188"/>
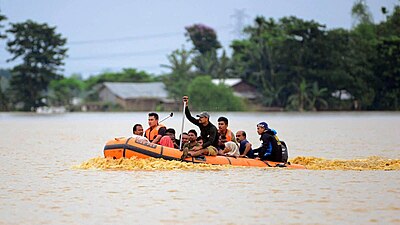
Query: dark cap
<point x="204" y="114"/>
<point x="263" y="124"/>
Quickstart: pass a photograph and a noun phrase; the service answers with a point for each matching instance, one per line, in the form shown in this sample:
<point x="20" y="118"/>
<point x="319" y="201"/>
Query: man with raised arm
<point x="208" y="132"/>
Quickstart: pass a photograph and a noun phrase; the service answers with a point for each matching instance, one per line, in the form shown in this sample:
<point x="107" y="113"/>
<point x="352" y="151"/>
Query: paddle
<point x="169" y="116"/>
<point x="183" y="121"/>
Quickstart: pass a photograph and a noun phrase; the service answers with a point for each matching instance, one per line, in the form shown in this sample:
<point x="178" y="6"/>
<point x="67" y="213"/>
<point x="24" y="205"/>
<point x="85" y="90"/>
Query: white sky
<point x="111" y="35"/>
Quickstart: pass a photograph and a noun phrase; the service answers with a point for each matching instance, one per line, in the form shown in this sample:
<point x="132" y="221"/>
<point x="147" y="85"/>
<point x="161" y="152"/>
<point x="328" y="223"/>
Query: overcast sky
<point x="111" y="35"/>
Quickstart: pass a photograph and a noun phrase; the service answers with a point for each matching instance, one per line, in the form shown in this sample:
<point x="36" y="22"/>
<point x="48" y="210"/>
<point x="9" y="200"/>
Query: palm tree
<point x="271" y="95"/>
<point x="176" y="82"/>
<point x="299" y="99"/>
<point x="179" y="61"/>
<point x="316" y="96"/>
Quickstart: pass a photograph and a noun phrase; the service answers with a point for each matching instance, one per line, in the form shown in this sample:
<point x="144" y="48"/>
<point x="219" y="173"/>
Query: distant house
<point x="240" y="88"/>
<point x="342" y="94"/>
<point x="136" y="96"/>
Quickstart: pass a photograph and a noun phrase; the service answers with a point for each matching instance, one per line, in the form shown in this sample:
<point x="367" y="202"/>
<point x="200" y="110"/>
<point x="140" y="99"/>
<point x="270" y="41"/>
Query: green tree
<point x="42" y="52"/>
<point x="2" y="18"/>
<point x="64" y="90"/>
<point x="204" y="38"/>
<point x="204" y="95"/>
<point x="3" y="97"/>
<point x="127" y="75"/>
<point x="3" y="80"/>
<point x="178" y="79"/>
<point x="299" y="99"/>
<point x="360" y="13"/>
<point x="254" y="59"/>
<point x="279" y="53"/>
<point x="205" y="55"/>
<point x="317" y="97"/>
<point x="4" y="87"/>
<point x="206" y="63"/>
<point x="387" y="63"/>
<point x="363" y="43"/>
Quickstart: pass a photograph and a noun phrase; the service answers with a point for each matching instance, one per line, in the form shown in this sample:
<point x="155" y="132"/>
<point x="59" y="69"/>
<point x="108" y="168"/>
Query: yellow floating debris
<point x="311" y="163"/>
<point x="370" y="163"/>
<point x="144" y="164"/>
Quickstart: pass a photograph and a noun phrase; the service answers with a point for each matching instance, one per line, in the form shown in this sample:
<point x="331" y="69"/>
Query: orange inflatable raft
<point x="139" y="147"/>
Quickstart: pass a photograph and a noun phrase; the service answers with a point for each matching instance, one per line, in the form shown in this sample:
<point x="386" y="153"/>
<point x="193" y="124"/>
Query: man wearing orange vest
<point x="156" y="131"/>
<point x="224" y="131"/>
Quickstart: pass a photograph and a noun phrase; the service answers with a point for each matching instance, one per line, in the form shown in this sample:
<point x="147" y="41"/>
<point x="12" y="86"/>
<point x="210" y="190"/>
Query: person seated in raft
<point x="231" y="149"/>
<point x="208" y="132"/>
<point x="137" y="129"/>
<point x="192" y="140"/>
<point x="187" y="147"/>
<point x="185" y="139"/>
<point x="156" y="132"/>
<point x="223" y="129"/>
<point x="199" y="140"/>
<point x="227" y="148"/>
<point x="270" y="148"/>
<point x="244" y="145"/>
<point x="170" y="132"/>
<point x="142" y="140"/>
<point x="221" y="144"/>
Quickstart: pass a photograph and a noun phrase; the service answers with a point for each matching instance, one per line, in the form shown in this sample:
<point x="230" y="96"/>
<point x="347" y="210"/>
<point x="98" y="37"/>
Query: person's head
<point x="171" y="133"/>
<point x="222" y="140"/>
<point x="153" y="119"/>
<point x="200" y="140"/>
<point x="204" y="118"/>
<point x="185" y="138"/>
<point x="138" y="129"/>
<point x="262" y="127"/>
<point x="240" y="135"/>
<point x="192" y="134"/>
<point x="222" y="123"/>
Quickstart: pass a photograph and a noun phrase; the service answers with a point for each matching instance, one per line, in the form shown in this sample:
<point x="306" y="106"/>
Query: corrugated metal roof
<point x="137" y="90"/>
<point x="228" y="82"/>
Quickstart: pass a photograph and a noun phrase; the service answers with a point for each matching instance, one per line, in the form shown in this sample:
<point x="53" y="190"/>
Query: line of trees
<point x="295" y="64"/>
<point x="300" y="65"/>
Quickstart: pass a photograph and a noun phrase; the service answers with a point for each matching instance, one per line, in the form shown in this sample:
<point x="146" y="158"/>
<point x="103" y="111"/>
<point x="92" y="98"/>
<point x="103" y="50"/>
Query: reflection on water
<point x="40" y="186"/>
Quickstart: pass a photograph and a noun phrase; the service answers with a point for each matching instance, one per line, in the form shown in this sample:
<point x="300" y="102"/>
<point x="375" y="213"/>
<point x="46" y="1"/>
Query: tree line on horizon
<point x="294" y="64"/>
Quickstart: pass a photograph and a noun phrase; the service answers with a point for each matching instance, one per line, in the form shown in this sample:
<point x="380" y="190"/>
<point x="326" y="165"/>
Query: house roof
<point x="228" y="82"/>
<point x="249" y="94"/>
<point x="137" y="90"/>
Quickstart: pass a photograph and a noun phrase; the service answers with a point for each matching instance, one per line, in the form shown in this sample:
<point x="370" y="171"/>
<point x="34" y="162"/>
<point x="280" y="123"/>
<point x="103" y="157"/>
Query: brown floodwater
<point x="53" y="172"/>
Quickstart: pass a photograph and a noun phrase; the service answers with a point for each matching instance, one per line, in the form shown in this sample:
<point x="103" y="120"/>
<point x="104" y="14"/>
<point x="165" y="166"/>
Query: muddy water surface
<point x="44" y="179"/>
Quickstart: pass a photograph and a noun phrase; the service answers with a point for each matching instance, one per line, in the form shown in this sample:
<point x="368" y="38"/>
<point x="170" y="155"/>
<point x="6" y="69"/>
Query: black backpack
<point x="285" y="153"/>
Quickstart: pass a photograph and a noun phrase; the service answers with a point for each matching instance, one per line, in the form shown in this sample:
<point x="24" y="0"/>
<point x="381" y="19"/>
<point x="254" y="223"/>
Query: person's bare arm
<point x="247" y="149"/>
<point x="157" y="139"/>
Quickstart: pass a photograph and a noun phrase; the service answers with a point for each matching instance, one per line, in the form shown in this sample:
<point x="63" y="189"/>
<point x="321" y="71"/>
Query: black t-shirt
<point x="162" y="131"/>
<point x="209" y="133"/>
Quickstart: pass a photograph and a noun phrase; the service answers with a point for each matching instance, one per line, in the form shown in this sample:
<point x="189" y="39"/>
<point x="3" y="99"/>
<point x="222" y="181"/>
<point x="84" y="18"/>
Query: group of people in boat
<point x="213" y="141"/>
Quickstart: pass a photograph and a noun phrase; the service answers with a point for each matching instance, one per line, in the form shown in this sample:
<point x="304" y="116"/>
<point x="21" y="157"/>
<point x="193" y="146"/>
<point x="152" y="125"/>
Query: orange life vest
<point x="228" y="135"/>
<point x="152" y="134"/>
